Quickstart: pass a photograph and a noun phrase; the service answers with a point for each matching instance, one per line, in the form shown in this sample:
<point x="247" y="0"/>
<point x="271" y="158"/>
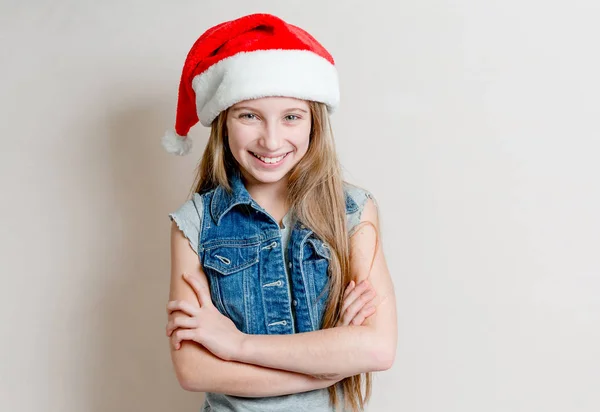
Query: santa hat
<point x="254" y="56"/>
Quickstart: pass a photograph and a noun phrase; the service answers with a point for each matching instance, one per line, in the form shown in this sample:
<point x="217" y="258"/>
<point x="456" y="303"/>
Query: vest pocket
<point x="230" y="270"/>
<point x="230" y="259"/>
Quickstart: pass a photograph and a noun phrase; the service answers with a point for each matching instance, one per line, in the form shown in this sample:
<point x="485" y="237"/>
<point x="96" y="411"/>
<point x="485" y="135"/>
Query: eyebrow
<point x="237" y="109"/>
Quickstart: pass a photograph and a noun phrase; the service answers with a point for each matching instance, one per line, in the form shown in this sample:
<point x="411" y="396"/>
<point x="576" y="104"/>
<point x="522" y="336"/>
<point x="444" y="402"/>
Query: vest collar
<point x="223" y="201"/>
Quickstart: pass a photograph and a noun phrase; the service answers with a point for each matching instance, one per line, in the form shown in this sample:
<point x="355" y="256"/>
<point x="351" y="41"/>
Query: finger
<point x="181" y="335"/>
<point x="200" y="289"/>
<point x="363" y="315"/>
<point x="172" y="343"/>
<point x="355" y="307"/>
<point x="354" y="316"/>
<point x="351" y="286"/>
<point x="175" y="343"/>
<point x="344" y="320"/>
<point x="184" y="306"/>
<point x="355" y="293"/>
<point x="358" y="305"/>
<point x="185" y="322"/>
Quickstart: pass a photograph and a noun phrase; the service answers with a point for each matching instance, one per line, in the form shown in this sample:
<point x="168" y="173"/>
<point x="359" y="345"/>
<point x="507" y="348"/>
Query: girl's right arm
<point x="199" y="370"/>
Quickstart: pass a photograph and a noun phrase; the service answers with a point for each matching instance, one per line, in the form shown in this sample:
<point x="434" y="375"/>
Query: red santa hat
<point x="254" y="56"/>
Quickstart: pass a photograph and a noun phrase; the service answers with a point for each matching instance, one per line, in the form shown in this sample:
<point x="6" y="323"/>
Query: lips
<point x="270" y="159"/>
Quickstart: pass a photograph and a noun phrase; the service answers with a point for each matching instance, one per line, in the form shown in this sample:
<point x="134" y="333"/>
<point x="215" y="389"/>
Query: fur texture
<point x="290" y="73"/>
<point x="175" y="144"/>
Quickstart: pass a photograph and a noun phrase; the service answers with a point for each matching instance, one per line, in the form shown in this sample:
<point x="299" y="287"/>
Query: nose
<point x="270" y="138"/>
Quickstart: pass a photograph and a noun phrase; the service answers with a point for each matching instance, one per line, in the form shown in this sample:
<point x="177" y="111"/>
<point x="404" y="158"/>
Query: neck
<point x="270" y="196"/>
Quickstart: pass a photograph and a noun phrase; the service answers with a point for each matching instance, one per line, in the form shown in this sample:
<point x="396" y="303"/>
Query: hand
<point x="204" y="325"/>
<point x="356" y="307"/>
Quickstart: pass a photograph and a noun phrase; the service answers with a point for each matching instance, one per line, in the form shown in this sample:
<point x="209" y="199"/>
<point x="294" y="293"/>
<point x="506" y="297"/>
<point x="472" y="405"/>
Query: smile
<point x="270" y="160"/>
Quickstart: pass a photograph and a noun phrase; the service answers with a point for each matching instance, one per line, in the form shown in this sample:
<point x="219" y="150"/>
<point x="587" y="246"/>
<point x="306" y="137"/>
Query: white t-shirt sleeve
<point x="189" y="218"/>
<point x="360" y="197"/>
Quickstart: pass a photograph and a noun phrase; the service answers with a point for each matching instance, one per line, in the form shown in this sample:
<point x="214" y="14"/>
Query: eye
<point x="249" y="116"/>
<point x="291" y="117"/>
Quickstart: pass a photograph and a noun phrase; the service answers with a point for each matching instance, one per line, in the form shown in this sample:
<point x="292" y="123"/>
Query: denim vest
<point x="241" y="251"/>
<point x="261" y="287"/>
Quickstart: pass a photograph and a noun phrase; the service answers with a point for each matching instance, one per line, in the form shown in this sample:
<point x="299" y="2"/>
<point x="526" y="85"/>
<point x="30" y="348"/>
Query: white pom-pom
<point x="175" y="144"/>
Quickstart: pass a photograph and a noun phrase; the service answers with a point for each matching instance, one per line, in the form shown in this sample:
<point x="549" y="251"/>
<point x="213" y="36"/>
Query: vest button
<point x="295" y="302"/>
<point x="290" y="265"/>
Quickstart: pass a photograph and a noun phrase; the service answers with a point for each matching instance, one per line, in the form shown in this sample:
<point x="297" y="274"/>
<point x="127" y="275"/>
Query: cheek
<point x="238" y="140"/>
<point x="305" y="145"/>
<point x="303" y="140"/>
<point x="236" y="147"/>
<point x="233" y="144"/>
<point x="234" y="135"/>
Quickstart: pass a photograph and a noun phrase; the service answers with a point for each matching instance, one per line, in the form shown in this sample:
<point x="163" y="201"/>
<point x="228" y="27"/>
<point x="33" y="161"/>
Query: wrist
<point x="241" y="354"/>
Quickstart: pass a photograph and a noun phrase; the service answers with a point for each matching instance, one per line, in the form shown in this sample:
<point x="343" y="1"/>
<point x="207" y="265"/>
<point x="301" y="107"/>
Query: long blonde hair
<point x="316" y="195"/>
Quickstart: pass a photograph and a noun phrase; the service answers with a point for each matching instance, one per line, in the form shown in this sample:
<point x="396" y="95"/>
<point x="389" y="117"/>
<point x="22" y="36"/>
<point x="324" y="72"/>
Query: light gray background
<point x="474" y="123"/>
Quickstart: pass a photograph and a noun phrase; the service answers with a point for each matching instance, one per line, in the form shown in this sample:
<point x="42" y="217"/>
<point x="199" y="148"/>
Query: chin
<point x="267" y="178"/>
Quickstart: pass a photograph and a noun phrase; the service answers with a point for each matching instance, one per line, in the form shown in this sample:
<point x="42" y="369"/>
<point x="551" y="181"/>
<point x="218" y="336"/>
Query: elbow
<point x="186" y="380"/>
<point x="188" y="384"/>
<point x="384" y="357"/>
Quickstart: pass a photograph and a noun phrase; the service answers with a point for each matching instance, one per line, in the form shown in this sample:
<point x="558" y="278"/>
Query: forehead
<point x="274" y="103"/>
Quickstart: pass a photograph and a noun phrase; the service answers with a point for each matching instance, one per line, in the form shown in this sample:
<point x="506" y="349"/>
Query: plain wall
<point x="475" y="124"/>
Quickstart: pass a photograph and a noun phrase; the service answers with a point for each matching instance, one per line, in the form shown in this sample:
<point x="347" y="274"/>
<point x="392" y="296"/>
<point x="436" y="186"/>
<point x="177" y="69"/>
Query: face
<point x="268" y="137"/>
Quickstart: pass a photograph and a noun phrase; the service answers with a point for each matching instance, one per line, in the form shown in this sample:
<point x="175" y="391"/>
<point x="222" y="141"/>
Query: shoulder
<point x="357" y="194"/>
<point x="188" y="218"/>
<point x="357" y="199"/>
<point x="193" y="205"/>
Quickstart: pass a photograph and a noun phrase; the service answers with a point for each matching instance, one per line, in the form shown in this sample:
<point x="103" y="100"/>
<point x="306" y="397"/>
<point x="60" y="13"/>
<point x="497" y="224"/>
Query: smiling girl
<point x="280" y="294"/>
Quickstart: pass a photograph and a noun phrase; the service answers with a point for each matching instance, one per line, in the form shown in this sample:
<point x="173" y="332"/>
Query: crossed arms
<point x="209" y="356"/>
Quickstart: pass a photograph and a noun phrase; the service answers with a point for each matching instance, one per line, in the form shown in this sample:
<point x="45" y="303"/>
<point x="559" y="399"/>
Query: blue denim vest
<point x="240" y="248"/>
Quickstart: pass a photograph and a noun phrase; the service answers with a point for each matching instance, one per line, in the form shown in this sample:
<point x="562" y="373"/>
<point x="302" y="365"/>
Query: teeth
<point x="269" y="160"/>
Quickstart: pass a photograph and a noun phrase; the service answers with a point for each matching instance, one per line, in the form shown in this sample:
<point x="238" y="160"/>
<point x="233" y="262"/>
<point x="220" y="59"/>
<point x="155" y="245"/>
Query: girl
<point x="258" y="315"/>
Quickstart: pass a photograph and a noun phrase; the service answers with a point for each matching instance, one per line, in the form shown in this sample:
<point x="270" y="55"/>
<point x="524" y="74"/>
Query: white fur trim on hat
<point x="250" y="75"/>
<point x="175" y="144"/>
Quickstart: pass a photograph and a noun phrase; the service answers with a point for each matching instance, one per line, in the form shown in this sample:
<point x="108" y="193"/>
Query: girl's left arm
<point x="344" y="351"/>
<point x="337" y="352"/>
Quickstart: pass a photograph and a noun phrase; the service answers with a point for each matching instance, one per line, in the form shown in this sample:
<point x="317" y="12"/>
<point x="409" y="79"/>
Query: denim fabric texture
<point x="266" y="279"/>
